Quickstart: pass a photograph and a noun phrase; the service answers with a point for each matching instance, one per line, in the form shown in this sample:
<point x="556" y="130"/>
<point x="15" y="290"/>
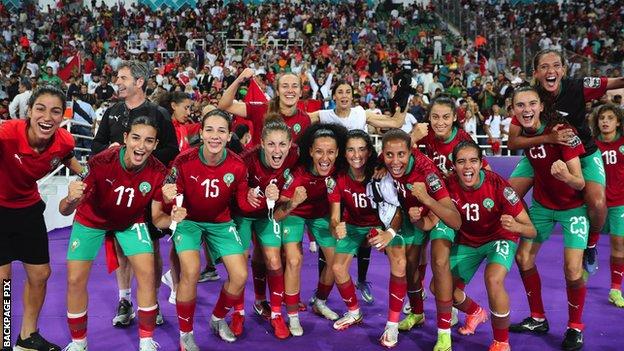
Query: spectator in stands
<point x="84" y="114"/>
<point x="50" y="78"/>
<point x="19" y="105"/>
<point x="104" y="91"/>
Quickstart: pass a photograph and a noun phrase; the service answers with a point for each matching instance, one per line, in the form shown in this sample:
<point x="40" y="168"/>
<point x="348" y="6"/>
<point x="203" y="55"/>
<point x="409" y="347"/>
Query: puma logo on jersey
<point x="313" y="182"/>
<point x="195" y="178"/>
<point x="257" y="178"/>
<point x="259" y="279"/>
<point x="19" y="158"/>
<point x="110" y="181"/>
<point x="347" y="191"/>
<point x="455" y="201"/>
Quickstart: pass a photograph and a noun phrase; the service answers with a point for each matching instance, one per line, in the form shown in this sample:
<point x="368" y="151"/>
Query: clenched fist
<point x="169" y="192"/>
<point x="341" y="230"/>
<point x="559" y="170"/>
<point x="415" y="214"/>
<point x="76" y="191"/>
<point x="299" y="196"/>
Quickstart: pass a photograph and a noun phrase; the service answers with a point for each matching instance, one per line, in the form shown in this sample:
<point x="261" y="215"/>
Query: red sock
<point x="500" y="327"/>
<point x="617" y="270"/>
<point x="347" y="291"/>
<point x="292" y="302"/>
<point x="186" y="313"/>
<point x="576" y="301"/>
<point x="77" y="325"/>
<point x="323" y="290"/>
<point x="239" y="304"/>
<point x="467" y="306"/>
<point x="147" y="321"/>
<point x="276" y="289"/>
<point x="533" y="287"/>
<point x="416" y="301"/>
<point x="443" y="309"/>
<point x="224" y="304"/>
<point x="259" y="273"/>
<point x="593" y="239"/>
<point x="422" y="271"/>
<point x="397" y="289"/>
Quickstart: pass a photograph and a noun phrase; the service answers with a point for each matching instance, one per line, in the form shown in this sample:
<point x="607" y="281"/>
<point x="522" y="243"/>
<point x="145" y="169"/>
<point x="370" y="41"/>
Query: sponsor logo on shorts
<point x="145" y="188"/>
<point x="434" y="182"/>
<point x="228" y="178"/>
<point x="75" y="244"/>
<point x="511" y="195"/>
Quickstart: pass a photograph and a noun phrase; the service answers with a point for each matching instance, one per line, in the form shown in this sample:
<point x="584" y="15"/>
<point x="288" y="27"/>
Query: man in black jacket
<point x="132" y="82"/>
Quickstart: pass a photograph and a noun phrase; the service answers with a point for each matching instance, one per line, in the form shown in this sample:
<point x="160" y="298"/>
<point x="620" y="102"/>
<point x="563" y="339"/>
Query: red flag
<point x="72" y="64"/>
<point x="254" y="93"/>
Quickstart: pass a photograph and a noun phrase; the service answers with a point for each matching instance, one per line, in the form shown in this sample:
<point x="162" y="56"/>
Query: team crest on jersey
<point x="434" y="182"/>
<point x="145" y="188"/>
<point x="331" y="184"/>
<point x="297" y="128"/>
<point x="488" y="203"/>
<point x="75" y="244"/>
<point x="228" y="178"/>
<point x="591" y="82"/>
<point x="409" y="186"/>
<point x="510" y="195"/>
<point x="622" y="149"/>
<point x="55" y="162"/>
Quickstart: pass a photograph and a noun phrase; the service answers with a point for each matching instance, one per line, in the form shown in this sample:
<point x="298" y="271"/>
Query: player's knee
<point x="494" y="282"/>
<point x="339" y="269"/>
<point x="294" y="262"/>
<point x="238" y="277"/>
<point x="274" y="262"/>
<point x="573" y="270"/>
<point x="524" y="260"/>
<point x="39" y="275"/>
<point x="440" y="263"/>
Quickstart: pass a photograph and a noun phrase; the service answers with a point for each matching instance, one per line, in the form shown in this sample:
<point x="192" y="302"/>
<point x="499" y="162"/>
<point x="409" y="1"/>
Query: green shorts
<point x="442" y="231"/>
<point x="268" y="234"/>
<point x="409" y="234"/>
<point x="85" y="242"/>
<point x="614" y="224"/>
<point x="222" y="239"/>
<point x="574" y="223"/>
<point x="292" y="230"/>
<point x="244" y="226"/>
<point x="591" y="165"/>
<point x="465" y="260"/>
<point x="355" y="237"/>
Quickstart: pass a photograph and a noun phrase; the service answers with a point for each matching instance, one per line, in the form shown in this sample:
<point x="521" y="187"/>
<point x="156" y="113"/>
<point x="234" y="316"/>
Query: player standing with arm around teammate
<point x="120" y="184"/>
<point x="607" y="124"/>
<point x="29" y="149"/>
<point x="492" y="219"/>
<point x="209" y="177"/>
<point x="556" y="167"/>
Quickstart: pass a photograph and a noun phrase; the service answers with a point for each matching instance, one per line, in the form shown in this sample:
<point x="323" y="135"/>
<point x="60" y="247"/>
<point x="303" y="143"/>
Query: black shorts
<point x="23" y="235"/>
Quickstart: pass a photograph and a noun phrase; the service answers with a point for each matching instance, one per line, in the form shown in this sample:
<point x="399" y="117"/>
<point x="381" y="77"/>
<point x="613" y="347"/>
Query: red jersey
<point x="316" y="204"/>
<point x="184" y="132"/>
<point x="208" y="190"/>
<point x="115" y="197"/>
<point x="261" y="175"/>
<point x="613" y="159"/>
<point x="22" y="166"/>
<point x="482" y="207"/>
<point x="441" y="151"/>
<point x="420" y="169"/>
<point x="541" y="158"/>
<point x="256" y="111"/>
<point x="356" y="206"/>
